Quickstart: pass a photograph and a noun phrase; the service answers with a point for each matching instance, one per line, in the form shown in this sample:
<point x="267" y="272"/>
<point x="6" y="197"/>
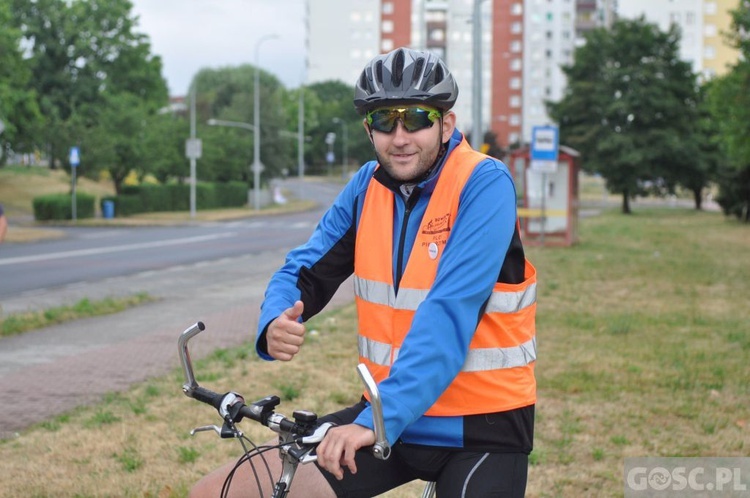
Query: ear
<point x="449" y="124"/>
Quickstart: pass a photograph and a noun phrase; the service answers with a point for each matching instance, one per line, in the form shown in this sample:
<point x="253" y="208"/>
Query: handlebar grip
<point x="207" y="396"/>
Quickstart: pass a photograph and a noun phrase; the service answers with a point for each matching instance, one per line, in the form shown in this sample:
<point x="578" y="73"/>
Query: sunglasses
<point x="413" y="118"/>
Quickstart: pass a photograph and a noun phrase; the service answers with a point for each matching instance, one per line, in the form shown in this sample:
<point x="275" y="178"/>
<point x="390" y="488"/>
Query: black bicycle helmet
<point x="405" y="76"/>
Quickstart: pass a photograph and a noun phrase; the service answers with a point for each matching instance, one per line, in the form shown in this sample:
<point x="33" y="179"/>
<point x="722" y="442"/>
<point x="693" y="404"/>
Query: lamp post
<point x="344" y="146"/>
<point x="257" y="165"/>
<point x="476" y="98"/>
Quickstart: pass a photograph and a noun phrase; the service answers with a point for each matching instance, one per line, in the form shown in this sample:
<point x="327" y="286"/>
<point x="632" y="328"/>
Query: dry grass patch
<point x="638" y="356"/>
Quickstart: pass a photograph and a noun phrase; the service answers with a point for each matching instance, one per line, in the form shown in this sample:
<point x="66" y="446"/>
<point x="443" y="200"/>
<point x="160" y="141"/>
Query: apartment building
<point x="702" y="23"/>
<point x="524" y="43"/>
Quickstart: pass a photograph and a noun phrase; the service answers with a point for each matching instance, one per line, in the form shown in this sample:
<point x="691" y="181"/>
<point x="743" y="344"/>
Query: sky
<point x="190" y="35"/>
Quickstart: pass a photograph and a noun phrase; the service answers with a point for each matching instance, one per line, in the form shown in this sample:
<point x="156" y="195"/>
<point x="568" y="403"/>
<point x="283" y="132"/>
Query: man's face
<point x="407" y="155"/>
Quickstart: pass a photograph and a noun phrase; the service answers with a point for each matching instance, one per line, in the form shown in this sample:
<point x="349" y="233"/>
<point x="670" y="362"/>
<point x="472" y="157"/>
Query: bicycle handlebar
<point x="232" y="408"/>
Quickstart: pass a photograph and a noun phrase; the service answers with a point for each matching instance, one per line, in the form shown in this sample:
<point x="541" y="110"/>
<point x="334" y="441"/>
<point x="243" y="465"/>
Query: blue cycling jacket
<point x="485" y="248"/>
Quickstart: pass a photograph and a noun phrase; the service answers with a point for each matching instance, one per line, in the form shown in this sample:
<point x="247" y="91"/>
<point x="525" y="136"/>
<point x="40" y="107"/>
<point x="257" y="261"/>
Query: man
<point x="444" y="294"/>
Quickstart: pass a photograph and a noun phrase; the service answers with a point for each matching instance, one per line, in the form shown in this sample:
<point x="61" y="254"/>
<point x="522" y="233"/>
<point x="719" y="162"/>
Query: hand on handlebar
<point x="285" y="334"/>
<point x="339" y="446"/>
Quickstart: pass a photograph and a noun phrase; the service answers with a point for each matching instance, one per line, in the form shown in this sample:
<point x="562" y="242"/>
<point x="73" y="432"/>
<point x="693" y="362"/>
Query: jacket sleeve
<point x="436" y="346"/>
<point x="313" y="271"/>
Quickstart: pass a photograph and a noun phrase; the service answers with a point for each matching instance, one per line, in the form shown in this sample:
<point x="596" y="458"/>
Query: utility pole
<point x="476" y="94"/>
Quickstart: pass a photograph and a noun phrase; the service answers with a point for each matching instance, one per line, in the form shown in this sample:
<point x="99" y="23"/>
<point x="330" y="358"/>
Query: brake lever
<point x="226" y="431"/>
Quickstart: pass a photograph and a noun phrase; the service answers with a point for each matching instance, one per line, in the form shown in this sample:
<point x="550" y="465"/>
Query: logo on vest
<point x="437" y="225"/>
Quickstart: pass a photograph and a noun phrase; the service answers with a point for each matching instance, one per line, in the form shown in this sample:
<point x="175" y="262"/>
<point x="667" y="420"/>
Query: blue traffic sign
<point x="544" y="143"/>
<point x="545" y="146"/>
<point x="75" y="157"/>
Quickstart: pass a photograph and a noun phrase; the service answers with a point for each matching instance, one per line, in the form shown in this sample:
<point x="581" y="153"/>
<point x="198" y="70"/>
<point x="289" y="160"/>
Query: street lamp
<point x="257" y="165"/>
<point x="344" y="146"/>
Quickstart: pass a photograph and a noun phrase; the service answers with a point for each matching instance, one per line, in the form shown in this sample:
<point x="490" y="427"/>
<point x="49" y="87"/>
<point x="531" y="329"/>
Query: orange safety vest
<point x="498" y="373"/>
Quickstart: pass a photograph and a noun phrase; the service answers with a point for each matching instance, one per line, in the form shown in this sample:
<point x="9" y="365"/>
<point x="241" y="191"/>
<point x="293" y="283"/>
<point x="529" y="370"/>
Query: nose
<point x="400" y="134"/>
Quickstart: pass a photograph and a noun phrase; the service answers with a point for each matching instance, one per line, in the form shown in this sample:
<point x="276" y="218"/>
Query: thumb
<point x="295" y="311"/>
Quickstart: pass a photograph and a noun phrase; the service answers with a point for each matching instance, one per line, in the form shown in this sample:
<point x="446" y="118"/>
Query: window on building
<point x="387" y="45"/>
<point x="516" y="27"/>
<point x="516" y="46"/>
<point x="437" y="34"/>
<point x="514" y="83"/>
<point x="387" y="26"/>
<point x="514" y="101"/>
<point x="709" y="8"/>
<point x="435" y="16"/>
<point x="689" y="18"/>
<point x="709" y="52"/>
<point x="515" y="119"/>
<point x="516" y="9"/>
<point x="516" y="65"/>
<point x="387" y="7"/>
<point x="710" y="30"/>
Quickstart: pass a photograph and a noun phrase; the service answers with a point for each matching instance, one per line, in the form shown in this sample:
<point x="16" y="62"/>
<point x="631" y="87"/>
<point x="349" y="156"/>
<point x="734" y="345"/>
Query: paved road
<point x="49" y="371"/>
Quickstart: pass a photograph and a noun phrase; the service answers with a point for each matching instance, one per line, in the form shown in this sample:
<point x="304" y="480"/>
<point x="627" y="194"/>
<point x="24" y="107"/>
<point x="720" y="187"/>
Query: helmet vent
<point x="439" y="76"/>
<point x="398" y="68"/>
<point x="418" y="71"/>
<point x="379" y="71"/>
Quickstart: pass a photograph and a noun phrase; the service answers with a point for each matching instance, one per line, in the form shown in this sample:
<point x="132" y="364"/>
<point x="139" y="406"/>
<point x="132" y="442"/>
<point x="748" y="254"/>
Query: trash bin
<point x="108" y="209"/>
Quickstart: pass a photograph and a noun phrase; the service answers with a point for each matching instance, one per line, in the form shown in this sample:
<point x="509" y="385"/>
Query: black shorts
<point x="458" y="473"/>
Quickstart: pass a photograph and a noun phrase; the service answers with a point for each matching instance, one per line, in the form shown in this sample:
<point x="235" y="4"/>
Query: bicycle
<point x="298" y="437"/>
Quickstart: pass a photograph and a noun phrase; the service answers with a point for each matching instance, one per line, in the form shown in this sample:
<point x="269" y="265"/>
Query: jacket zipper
<point x="410" y="202"/>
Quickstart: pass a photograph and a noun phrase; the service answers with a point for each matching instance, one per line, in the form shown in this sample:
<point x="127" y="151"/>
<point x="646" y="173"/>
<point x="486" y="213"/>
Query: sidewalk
<point x="46" y="372"/>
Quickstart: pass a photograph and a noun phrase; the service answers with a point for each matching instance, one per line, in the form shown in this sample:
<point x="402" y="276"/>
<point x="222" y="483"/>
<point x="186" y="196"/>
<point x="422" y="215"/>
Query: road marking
<point x="105" y="250"/>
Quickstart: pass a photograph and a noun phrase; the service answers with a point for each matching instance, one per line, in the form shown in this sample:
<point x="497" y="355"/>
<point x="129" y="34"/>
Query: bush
<point x="134" y="199"/>
<point x="60" y="207"/>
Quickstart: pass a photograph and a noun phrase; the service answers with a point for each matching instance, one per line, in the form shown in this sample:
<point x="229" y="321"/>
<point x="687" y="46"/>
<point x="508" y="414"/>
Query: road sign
<point x="75" y="157"/>
<point x="545" y="146"/>
<point x="193" y="148"/>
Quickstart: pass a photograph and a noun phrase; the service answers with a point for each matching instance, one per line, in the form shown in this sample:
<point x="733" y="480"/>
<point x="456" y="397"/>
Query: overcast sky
<point x="190" y="35"/>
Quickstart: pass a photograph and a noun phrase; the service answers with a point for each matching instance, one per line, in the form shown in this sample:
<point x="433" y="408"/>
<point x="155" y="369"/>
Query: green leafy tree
<point x="336" y="103"/>
<point x="116" y="142"/>
<point x="228" y="94"/>
<point x="164" y="147"/>
<point x="729" y="100"/>
<point x="18" y="106"/>
<point x="629" y="106"/>
<point x="81" y="54"/>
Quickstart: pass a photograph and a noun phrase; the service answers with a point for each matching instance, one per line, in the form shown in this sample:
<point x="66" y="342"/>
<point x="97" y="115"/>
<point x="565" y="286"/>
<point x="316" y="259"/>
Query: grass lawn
<point x="644" y="344"/>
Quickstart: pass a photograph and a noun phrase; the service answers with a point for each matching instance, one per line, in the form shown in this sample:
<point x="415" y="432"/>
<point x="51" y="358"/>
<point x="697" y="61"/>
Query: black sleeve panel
<point x="318" y="284"/>
<point x="514" y="265"/>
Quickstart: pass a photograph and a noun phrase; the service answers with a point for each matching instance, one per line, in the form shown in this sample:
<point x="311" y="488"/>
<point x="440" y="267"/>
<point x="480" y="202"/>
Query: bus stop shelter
<point x="548" y="199"/>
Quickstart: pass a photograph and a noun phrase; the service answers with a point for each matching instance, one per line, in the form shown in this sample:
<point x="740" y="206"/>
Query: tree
<point x="729" y="100"/>
<point x="628" y="106"/>
<point x="83" y="53"/>
<point x="18" y="107"/>
<point x="116" y="142"/>
<point x="228" y="94"/>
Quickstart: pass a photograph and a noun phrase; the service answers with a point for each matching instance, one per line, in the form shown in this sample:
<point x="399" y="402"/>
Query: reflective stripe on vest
<point x="477" y="360"/>
<point x="410" y="299"/>
<point x="498" y="370"/>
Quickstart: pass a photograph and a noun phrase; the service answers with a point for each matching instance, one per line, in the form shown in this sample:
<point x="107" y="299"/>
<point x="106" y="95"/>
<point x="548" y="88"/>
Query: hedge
<point x="135" y="199"/>
<point x="60" y="206"/>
